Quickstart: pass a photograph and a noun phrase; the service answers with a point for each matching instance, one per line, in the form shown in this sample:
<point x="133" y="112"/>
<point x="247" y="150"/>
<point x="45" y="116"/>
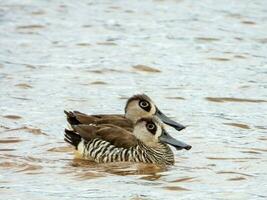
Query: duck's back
<point x="75" y="118"/>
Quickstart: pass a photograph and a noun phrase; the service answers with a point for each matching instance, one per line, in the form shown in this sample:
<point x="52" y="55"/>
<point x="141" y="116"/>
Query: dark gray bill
<point x="168" y="139"/>
<point x="168" y="121"/>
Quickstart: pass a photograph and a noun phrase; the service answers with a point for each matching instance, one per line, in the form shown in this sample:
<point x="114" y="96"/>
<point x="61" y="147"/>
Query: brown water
<point x="203" y="63"/>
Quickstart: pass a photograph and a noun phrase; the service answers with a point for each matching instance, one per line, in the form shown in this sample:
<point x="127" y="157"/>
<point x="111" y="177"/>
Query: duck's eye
<point x="144" y="104"/>
<point x="150" y="126"/>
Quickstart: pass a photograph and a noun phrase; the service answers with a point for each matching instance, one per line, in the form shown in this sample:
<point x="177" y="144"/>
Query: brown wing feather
<point x="117" y="136"/>
<point x="109" y="115"/>
<point x="87" y="132"/>
<point x="84" y="118"/>
<point x="120" y="122"/>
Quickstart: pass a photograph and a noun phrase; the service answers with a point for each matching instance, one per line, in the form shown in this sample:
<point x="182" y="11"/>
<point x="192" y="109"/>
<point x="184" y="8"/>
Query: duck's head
<point x="141" y="105"/>
<point x="151" y="132"/>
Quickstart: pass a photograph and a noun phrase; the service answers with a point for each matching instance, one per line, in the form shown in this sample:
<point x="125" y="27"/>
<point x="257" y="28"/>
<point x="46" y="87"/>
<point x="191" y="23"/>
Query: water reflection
<point x="121" y="169"/>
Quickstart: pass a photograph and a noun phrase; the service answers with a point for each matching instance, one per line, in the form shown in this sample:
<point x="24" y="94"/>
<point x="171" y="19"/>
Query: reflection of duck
<point x="137" y="106"/>
<point x="104" y="143"/>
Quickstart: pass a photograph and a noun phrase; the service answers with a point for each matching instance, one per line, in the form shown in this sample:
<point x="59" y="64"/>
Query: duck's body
<point x="108" y="143"/>
<point x="102" y="151"/>
<point x="137" y="106"/>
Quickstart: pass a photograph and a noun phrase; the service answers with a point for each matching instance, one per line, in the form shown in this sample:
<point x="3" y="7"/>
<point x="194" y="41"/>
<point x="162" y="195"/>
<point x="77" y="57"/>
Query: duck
<point x="136" y="107"/>
<point x="148" y="143"/>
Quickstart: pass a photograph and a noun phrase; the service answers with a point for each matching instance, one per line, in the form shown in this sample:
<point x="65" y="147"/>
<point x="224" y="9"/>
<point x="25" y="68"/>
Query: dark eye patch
<point x="151" y="127"/>
<point x="145" y="105"/>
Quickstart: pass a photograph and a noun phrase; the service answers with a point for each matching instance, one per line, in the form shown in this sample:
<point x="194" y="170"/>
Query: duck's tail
<point x="71" y="118"/>
<point x="72" y="138"/>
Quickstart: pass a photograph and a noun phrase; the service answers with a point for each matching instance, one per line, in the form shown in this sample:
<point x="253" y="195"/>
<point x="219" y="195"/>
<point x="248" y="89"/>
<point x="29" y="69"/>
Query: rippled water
<point x="203" y="63"/>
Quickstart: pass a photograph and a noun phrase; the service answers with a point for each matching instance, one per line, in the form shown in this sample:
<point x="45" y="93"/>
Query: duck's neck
<point x="133" y="117"/>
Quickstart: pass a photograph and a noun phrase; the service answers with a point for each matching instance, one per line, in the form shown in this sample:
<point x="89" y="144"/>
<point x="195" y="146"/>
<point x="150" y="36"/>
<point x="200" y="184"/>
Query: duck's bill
<point x="168" y="121"/>
<point x="168" y="139"/>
